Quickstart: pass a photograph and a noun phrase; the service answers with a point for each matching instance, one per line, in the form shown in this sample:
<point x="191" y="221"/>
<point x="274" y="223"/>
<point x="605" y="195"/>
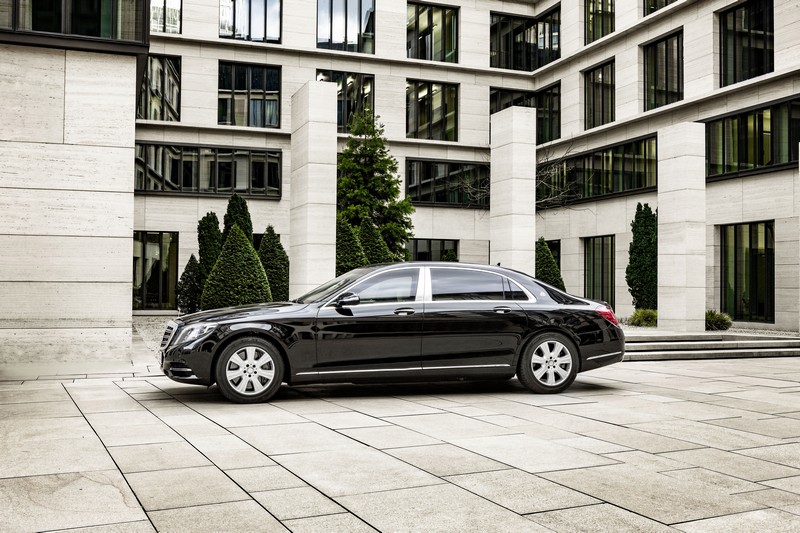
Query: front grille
<point x="168" y="333"/>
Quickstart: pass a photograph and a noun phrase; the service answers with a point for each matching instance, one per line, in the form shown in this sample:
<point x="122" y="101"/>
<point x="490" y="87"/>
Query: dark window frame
<point x="765" y="265"/>
<point x="590" y="275"/>
<point x="143" y="109"/>
<point x="598" y="24"/>
<point x="443" y="246"/>
<point x="366" y="39"/>
<point x="651" y="6"/>
<point x="554" y="245"/>
<point x="164" y="26"/>
<point x="248" y="92"/>
<point x="501" y="98"/>
<point x="166" y="295"/>
<point x="739" y="59"/>
<point x="265" y="22"/>
<point x="344" y="108"/>
<point x="660" y="53"/>
<point x="191" y="157"/>
<point x="526" y="54"/>
<point x="413" y="190"/>
<point x="427" y="53"/>
<point x="414" y="110"/>
<point x="606" y="92"/>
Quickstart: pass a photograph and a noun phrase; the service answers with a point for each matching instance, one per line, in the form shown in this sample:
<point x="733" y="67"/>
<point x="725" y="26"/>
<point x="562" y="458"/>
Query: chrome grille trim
<point x="169" y="332"/>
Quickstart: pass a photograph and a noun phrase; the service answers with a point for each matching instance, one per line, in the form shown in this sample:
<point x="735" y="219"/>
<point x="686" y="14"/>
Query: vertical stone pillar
<point x="312" y="243"/>
<point x="682" y="227"/>
<point x="512" y="215"/>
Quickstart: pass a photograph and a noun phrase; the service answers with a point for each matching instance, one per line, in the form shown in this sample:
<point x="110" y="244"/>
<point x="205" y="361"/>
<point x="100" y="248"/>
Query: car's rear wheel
<point x="549" y="363"/>
<point x="250" y="370"/>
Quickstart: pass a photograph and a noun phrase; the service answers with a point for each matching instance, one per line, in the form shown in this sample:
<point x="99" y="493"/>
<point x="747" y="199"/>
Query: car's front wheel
<point x="250" y="370"/>
<point x="549" y="363"/>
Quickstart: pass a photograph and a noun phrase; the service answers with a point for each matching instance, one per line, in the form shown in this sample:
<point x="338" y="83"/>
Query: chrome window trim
<point x="417" y="298"/>
<point x="429" y="286"/>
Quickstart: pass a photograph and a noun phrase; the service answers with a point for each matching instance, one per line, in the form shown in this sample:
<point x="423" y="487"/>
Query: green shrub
<point x="276" y="264"/>
<point x="349" y="253"/>
<point x="641" y="274"/>
<point x="450" y="256"/>
<point x="375" y="248"/>
<point x="238" y="214"/>
<point x="717" y="321"/>
<point x="209" y="240"/>
<point x="646" y="318"/>
<point x="190" y="287"/>
<point x="546" y="267"/>
<point x="238" y="277"/>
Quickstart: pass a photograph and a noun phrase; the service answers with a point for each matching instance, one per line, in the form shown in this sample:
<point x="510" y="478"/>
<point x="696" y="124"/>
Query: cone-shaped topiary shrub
<point x="190" y="287"/>
<point x="209" y="239"/>
<point x="546" y="267"/>
<point x="349" y="253"/>
<point x="238" y="277"/>
<point x="374" y="246"/>
<point x="276" y="264"/>
<point x="239" y="214"/>
<point x="641" y="273"/>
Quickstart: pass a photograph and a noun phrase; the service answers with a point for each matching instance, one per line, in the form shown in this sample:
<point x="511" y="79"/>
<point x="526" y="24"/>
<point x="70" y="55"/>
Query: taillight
<point x="607" y="313"/>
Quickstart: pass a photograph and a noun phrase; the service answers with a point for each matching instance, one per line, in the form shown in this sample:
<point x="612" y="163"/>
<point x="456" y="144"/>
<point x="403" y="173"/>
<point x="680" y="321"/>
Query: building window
<point x="599" y="19"/>
<point x="547" y="103"/>
<point x="431" y="110"/>
<point x="355" y="94"/>
<point x="599" y="95"/>
<point x="165" y="16"/>
<point x="618" y="169"/>
<point x="758" y="139"/>
<point x="202" y="170"/>
<point x="117" y="20"/>
<point x="555" y="249"/>
<point x="748" y="271"/>
<point x="433" y="249"/>
<point x="160" y="97"/>
<point x="599" y="268"/>
<point x="432" y="33"/>
<point x="747" y="37"/>
<point x="249" y="95"/>
<point x="250" y="20"/>
<point x="447" y="183"/>
<point x="651" y="6"/>
<point x="524" y="43"/>
<point x="347" y="25"/>
<point x="155" y="269"/>
<point x="663" y="71"/>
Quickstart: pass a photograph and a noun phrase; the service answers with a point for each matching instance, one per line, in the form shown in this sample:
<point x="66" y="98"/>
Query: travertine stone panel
<point x="78" y="344"/>
<point x="32" y="85"/>
<point x="787" y="35"/>
<point x="312" y="250"/>
<point x="513" y="224"/>
<point x="99" y="99"/>
<point x="681" y="217"/>
<point x="473" y="251"/>
<point x="65" y="258"/>
<point x="66" y="167"/>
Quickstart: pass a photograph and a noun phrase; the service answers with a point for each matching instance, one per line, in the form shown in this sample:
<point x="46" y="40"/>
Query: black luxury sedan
<point x="399" y="322"/>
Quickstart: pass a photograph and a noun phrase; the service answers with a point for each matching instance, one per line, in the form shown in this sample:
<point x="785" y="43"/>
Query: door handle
<point x="502" y="309"/>
<point x="405" y="311"/>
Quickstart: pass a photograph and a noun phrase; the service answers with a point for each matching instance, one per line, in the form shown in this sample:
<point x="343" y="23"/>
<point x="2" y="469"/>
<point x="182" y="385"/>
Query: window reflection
<point x="347" y="25"/>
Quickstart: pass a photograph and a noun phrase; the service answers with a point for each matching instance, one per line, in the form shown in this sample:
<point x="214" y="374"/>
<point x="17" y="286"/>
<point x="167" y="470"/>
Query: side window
<point x="514" y="291"/>
<point x="460" y="284"/>
<point x="396" y="286"/>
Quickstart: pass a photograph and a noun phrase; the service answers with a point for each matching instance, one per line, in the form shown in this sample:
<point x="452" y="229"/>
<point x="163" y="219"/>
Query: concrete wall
<point x="66" y="204"/>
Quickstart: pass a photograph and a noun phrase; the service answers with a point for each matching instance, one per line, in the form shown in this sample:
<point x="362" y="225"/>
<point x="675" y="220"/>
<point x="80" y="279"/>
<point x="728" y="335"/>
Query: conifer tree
<point x="641" y="274"/>
<point x="369" y="187"/>
<point x="373" y="244"/>
<point x="546" y="268"/>
<point x="276" y="264"/>
<point x="209" y="240"/>
<point x="189" y="287"/>
<point x="349" y="253"/>
<point x="239" y="214"/>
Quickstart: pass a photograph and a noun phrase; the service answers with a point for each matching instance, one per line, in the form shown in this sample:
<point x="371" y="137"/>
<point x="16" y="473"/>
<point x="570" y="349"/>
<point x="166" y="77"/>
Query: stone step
<point x="710" y="354"/>
<point x="659" y="346"/>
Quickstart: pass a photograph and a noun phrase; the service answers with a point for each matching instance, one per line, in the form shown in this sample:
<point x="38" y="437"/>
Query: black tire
<point x="549" y="364"/>
<point x="249" y="370"/>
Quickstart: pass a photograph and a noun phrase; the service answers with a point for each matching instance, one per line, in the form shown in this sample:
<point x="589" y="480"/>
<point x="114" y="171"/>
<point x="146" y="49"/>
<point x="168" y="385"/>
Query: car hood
<point x="242" y="312"/>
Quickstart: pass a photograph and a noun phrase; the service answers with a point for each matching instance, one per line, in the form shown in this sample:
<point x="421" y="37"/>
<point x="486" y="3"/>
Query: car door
<point x="472" y="322"/>
<point x="380" y="335"/>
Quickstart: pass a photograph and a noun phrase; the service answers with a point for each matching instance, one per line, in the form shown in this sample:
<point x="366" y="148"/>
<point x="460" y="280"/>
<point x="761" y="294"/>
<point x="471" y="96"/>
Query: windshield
<point x="327" y="289"/>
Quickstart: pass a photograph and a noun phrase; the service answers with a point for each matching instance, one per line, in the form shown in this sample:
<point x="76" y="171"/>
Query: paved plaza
<point x="695" y="446"/>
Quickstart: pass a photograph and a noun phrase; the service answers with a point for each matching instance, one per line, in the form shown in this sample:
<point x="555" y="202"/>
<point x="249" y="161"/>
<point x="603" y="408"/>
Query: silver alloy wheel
<point x="551" y="363"/>
<point x="250" y="370"/>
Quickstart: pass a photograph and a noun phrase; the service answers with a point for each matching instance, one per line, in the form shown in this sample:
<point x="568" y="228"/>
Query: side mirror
<point x="347" y="299"/>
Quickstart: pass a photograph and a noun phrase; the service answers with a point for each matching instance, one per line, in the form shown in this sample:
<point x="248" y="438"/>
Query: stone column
<point x="312" y="242"/>
<point x="682" y="227"/>
<point x="512" y="215"/>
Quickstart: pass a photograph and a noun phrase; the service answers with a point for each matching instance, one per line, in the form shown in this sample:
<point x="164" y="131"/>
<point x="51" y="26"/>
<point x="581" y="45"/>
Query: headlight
<point x="194" y="332"/>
